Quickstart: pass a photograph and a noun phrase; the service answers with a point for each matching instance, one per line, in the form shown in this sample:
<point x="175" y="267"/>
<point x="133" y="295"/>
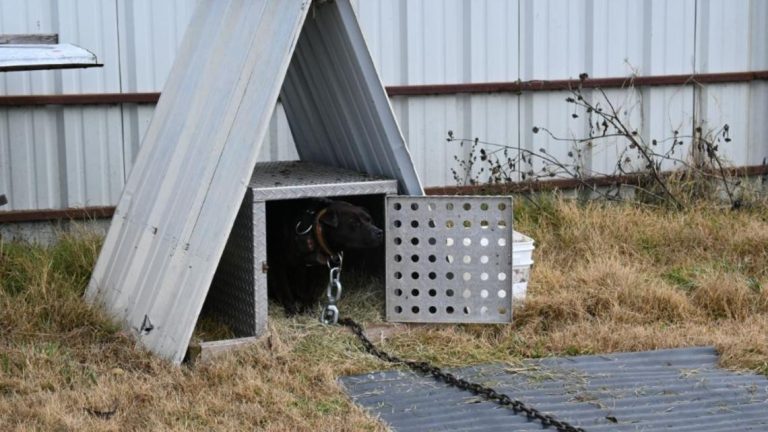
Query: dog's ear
<point x="330" y="218"/>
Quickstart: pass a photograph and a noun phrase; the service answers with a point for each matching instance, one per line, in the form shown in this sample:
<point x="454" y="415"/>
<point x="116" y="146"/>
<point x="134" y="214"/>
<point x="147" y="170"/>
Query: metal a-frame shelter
<point x="190" y="176"/>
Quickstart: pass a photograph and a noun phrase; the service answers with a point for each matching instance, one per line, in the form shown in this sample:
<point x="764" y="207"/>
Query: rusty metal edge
<point x="81" y="213"/>
<point x="86" y="213"/>
<point x="428" y="89"/>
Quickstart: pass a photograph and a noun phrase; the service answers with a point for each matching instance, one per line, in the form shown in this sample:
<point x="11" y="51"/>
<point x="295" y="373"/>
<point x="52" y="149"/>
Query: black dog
<point x="303" y="237"/>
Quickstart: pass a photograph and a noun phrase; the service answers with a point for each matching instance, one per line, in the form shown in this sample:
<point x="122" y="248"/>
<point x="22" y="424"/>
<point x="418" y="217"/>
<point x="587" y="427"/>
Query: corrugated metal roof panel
<point x="679" y="389"/>
<point x="191" y="172"/>
<point x="336" y="105"/>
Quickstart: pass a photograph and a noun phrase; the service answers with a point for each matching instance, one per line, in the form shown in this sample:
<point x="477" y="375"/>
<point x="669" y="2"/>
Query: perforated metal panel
<point x="449" y="259"/>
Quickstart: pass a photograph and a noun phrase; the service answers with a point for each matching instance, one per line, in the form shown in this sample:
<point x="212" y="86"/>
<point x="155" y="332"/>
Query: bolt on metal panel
<point x="449" y="259"/>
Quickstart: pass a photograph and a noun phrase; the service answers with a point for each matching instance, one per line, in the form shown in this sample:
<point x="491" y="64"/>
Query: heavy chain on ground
<point x="487" y="393"/>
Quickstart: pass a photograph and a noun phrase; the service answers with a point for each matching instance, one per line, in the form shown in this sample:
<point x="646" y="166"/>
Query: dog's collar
<point x="314" y="245"/>
<point x="319" y="235"/>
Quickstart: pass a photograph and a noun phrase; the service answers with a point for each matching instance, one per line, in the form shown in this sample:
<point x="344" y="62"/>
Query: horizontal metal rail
<point x="516" y="87"/>
<point x="86" y="213"/>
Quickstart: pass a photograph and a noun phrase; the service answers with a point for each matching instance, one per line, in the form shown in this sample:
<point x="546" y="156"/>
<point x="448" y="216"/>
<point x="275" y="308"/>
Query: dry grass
<point x="606" y="279"/>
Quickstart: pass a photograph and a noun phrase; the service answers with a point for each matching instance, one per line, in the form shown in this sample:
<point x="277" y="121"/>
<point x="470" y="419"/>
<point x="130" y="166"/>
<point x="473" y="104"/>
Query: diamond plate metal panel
<point x="238" y="295"/>
<point x="296" y="179"/>
<point x="449" y="259"/>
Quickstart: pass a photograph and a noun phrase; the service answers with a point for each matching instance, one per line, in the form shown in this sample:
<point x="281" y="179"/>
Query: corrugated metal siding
<point x="190" y="176"/>
<point x="732" y="38"/>
<point x="336" y="104"/>
<point x="412" y="42"/>
<point x="681" y="390"/>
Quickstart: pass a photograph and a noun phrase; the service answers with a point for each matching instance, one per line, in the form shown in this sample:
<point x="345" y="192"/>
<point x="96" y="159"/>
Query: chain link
<point x="487" y="393"/>
<point x="333" y="292"/>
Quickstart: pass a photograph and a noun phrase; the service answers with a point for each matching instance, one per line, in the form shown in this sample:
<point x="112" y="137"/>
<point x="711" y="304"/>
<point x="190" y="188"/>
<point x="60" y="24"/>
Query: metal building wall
<point x="57" y="157"/>
<point x="79" y="156"/>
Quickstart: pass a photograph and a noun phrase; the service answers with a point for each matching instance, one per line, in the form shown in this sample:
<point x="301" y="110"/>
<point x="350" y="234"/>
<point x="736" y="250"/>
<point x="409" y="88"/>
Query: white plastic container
<point x="522" y="260"/>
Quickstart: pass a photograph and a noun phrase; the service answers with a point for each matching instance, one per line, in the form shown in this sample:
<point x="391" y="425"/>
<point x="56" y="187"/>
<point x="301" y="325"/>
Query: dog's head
<point x="347" y="226"/>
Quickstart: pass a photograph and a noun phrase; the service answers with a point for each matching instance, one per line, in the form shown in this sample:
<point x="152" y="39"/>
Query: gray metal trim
<point x="296" y="179"/>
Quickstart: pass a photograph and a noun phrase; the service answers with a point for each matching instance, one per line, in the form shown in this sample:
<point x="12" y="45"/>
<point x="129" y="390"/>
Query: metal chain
<point x="487" y="393"/>
<point x="333" y="292"/>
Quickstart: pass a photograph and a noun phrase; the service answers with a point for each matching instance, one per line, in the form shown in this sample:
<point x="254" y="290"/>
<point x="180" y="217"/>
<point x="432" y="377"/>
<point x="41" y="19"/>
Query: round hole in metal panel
<point x="432" y="258"/>
<point x="449" y="292"/>
<point x="502" y="310"/>
<point x="432" y="309"/>
<point x="466" y="294"/>
<point x="502" y="276"/>
<point x="432" y="275"/>
<point x="449" y="224"/>
<point x="484" y="206"/>
<point x="467" y="241"/>
<point x="449" y="259"/>
<point x="398" y="309"/>
<point x="415" y="292"/>
<point x="483" y="242"/>
<point x="432" y="223"/>
<point x="467" y="259"/>
<point x="502" y="224"/>
<point x="502" y="293"/>
<point x="483" y="310"/>
<point x="415" y="275"/>
<point x="449" y="206"/>
<point x="449" y="275"/>
<point x="415" y="258"/>
<point x="466" y="310"/>
<point x="484" y="259"/>
<point x="432" y="292"/>
<point x="467" y="276"/>
<point x="483" y="276"/>
<point x="449" y="309"/>
<point x="415" y="309"/>
<point x="467" y="206"/>
<point x="414" y="206"/>
<point x="431" y="206"/>
<point x="467" y="224"/>
<point x="397" y="224"/>
<point x="502" y="206"/>
<point x="484" y="293"/>
<point x="449" y="241"/>
<point x="415" y="241"/>
<point x="414" y="224"/>
<point x="398" y="240"/>
<point x="484" y="224"/>
<point x="397" y="206"/>
<point x="502" y="242"/>
<point x="398" y="258"/>
<point x="398" y="275"/>
<point x="432" y="241"/>
<point x="398" y="292"/>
